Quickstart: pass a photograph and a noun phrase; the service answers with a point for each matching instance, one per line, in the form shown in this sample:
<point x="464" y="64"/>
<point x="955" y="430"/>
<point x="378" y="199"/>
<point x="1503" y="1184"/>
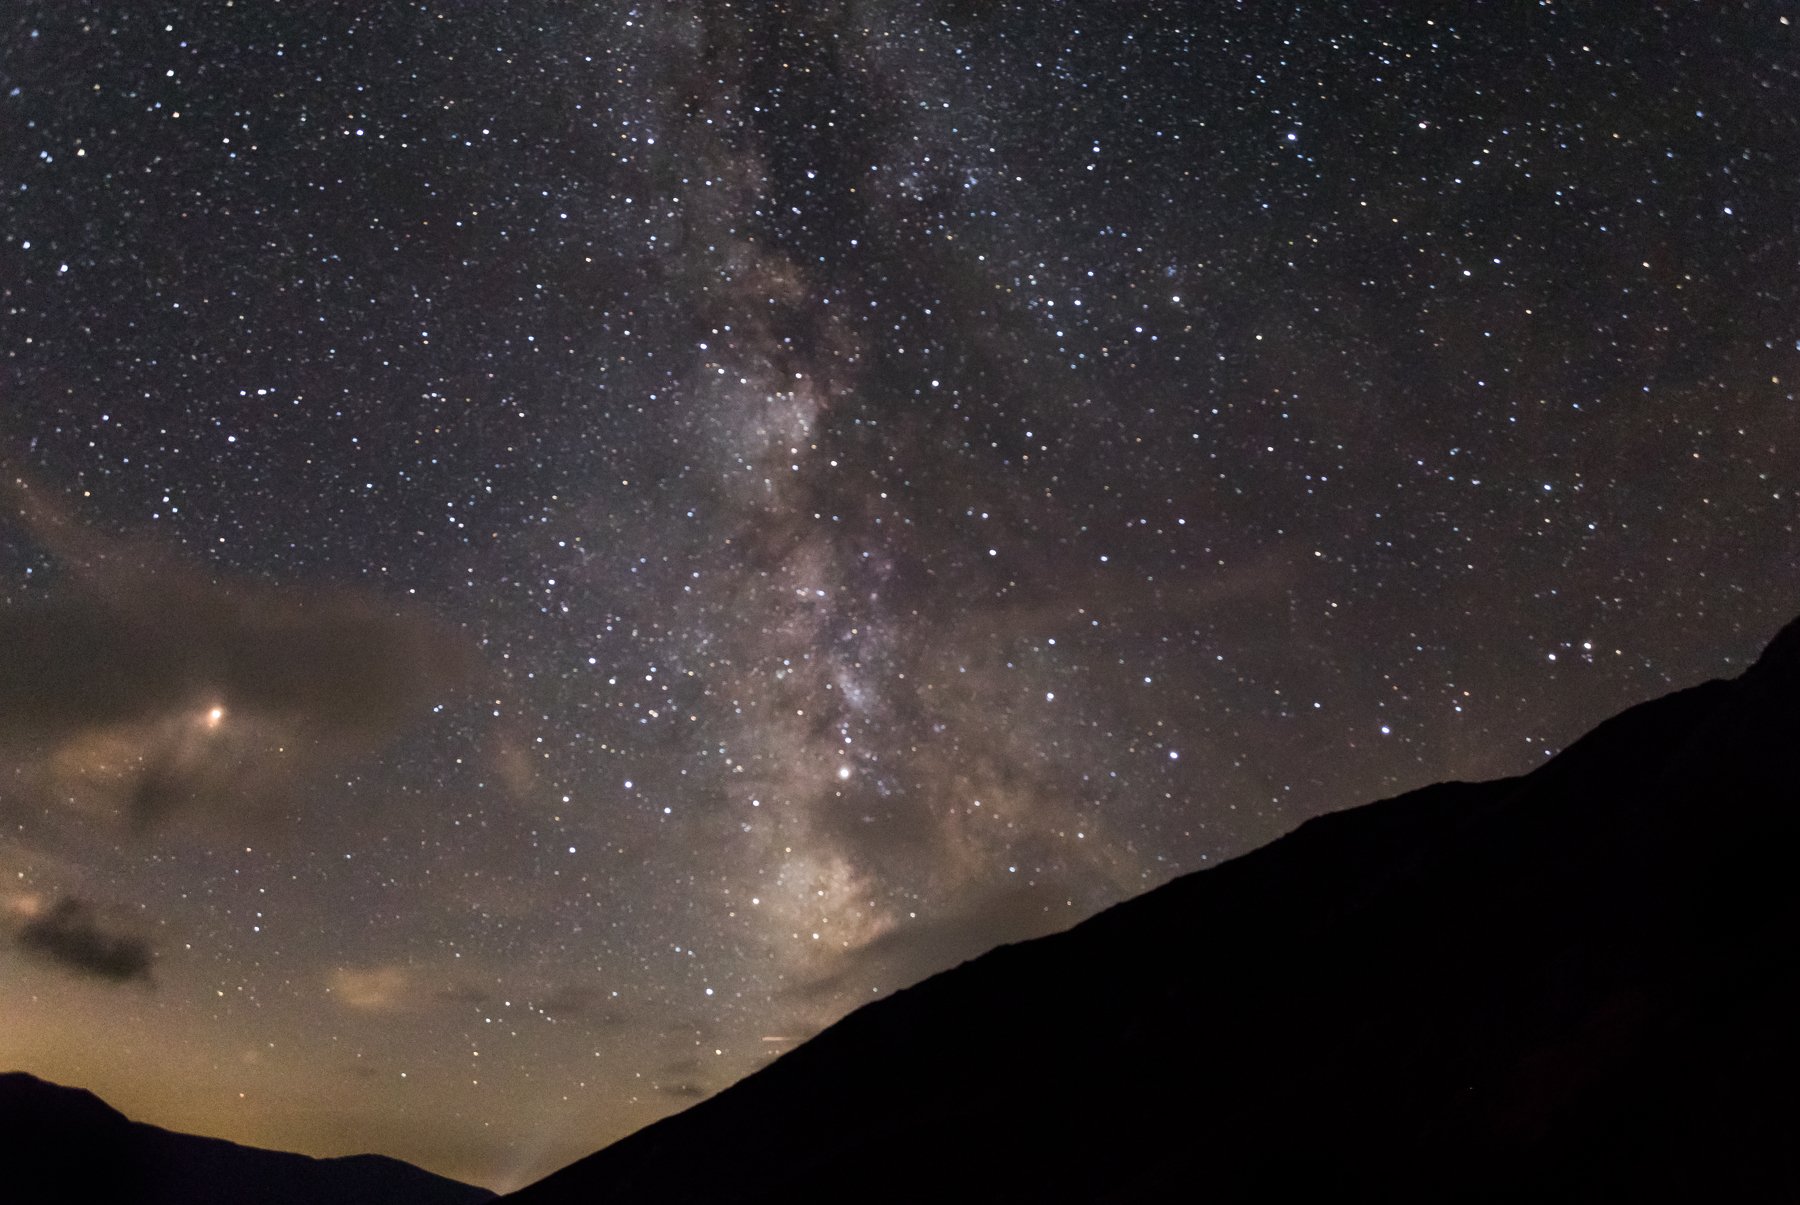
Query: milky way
<point x="550" y="551"/>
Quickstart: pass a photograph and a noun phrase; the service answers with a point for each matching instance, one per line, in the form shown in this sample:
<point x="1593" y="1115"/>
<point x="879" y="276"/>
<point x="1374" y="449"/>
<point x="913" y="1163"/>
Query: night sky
<point x="548" y="551"/>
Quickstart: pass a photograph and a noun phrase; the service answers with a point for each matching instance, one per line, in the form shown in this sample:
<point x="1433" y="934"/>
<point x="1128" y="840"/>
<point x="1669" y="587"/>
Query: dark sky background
<point x="550" y="550"/>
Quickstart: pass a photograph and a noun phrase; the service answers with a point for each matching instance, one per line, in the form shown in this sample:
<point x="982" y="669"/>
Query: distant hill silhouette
<point x="64" y="1146"/>
<point x="1581" y="984"/>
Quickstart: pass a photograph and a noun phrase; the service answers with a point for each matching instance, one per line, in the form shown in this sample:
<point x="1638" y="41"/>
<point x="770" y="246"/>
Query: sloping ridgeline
<point x="65" y="1146"/>
<point x="1580" y="984"/>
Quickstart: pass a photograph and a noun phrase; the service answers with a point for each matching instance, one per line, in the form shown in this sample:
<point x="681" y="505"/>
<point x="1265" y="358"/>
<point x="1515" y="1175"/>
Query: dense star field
<point x="548" y="551"/>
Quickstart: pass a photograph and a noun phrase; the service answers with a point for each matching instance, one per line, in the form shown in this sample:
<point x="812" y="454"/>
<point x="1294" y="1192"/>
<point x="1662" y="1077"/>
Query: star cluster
<point x="550" y="551"/>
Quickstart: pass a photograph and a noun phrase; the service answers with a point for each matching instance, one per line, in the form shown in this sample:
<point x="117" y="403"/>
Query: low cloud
<point x="157" y="645"/>
<point x="146" y="686"/>
<point x="71" y="934"/>
<point x="380" y="989"/>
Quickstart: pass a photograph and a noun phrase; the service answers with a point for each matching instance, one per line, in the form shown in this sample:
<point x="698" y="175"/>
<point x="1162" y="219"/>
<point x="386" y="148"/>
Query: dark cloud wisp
<point x="72" y="935"/>
<point x="146" y="685"/>
<point x="331" y="665"/>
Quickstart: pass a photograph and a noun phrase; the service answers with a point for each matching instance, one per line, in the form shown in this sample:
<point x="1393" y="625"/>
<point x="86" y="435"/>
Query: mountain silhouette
<point x="65" y="1146"/>
<point x="1579" y="984"/>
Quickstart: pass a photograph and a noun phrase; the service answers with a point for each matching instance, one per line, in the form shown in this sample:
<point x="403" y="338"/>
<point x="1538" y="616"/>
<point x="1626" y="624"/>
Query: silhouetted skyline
<point x="547" y="553"/>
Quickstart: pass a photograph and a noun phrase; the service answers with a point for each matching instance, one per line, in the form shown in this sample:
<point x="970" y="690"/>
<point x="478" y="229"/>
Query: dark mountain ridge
<point x="65" y="1146"/>
<point x="1578" y="984"/>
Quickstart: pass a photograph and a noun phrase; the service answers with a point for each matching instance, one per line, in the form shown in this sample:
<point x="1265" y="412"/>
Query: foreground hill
<point x="1581" y="984"/>
<point x="64" y="1146"/>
